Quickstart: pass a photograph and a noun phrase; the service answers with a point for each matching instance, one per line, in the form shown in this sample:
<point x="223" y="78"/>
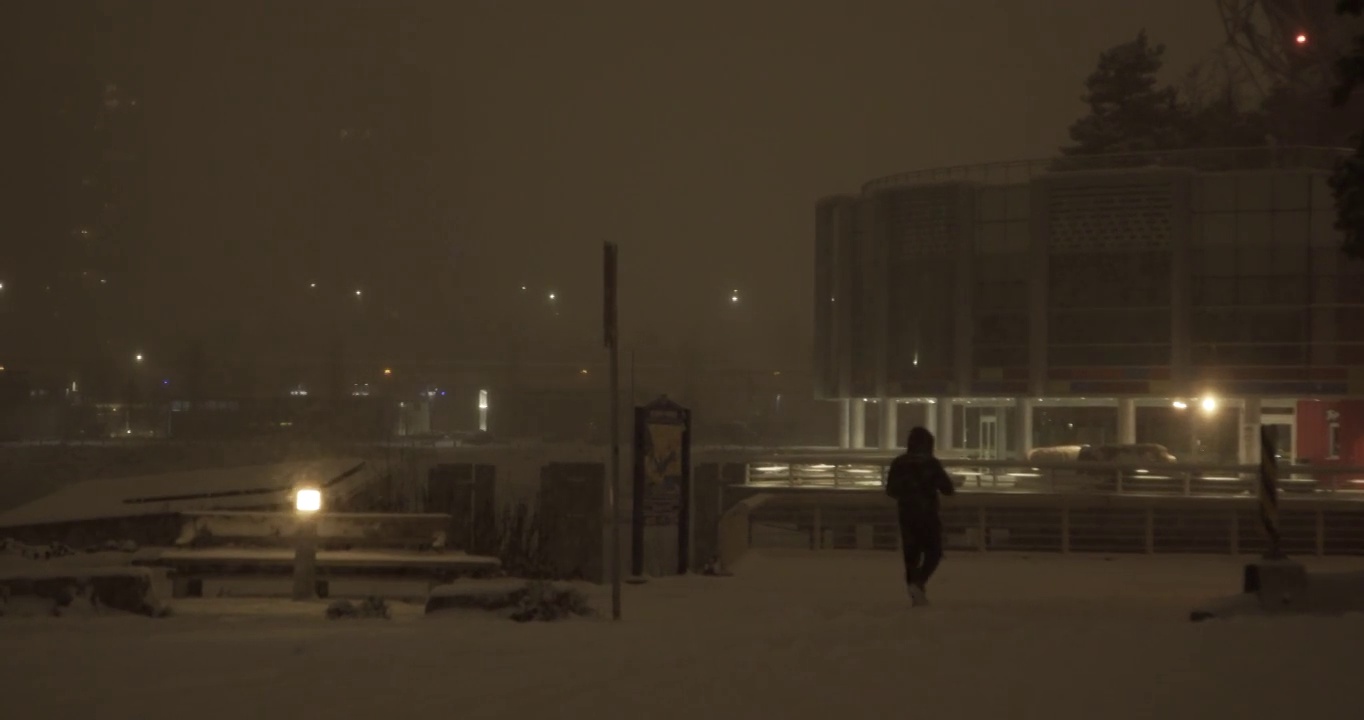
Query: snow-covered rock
<point x="520" y="600"/>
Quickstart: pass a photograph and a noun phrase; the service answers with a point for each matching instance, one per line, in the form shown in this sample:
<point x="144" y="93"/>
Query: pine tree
<point x="1347" y="182"/>
<point x="1128" y="110"/>
<point x="1216" y="111"/>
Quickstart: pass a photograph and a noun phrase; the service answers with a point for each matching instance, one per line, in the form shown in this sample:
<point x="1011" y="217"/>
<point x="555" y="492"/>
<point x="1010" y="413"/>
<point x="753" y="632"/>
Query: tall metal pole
<point x="613" y="493"/>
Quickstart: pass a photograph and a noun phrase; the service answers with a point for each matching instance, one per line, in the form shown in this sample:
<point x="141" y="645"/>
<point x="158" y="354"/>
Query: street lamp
<point x="131" y="392"/>
<point x="307" y="505"/>
<point x="307" y="501"/>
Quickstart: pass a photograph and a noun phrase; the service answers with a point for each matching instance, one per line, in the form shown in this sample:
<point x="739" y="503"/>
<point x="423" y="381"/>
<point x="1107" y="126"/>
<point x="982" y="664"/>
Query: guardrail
<point x="867" y="471"/>
<point x="988" y="522"/>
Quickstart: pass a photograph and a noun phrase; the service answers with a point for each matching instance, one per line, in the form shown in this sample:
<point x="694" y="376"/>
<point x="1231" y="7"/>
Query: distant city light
<point x="165" y="381"/>
<point x="553" y="296"/>
<point x="734" y="295"/>
<point x="1209" y="404"/>
<point x="523" y="288"/>
<point x="583" y="371"/>
<point x="312" y="285"/>
<point x="358" y="293"/>
<point x="1179" y="405"/>
<point x="2" y="286"/>
<point x="483" y="411"/>
<point x="138" y="357"/>
<point x="1301" y="39"/>
<point x="388" y="372"/>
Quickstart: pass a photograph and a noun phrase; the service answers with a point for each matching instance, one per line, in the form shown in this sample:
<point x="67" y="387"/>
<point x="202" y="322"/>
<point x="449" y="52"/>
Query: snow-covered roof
<point x="215" y="489"/>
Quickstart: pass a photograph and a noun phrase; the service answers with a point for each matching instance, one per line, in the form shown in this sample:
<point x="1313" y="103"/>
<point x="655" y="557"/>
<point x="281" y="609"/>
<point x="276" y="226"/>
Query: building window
<point x="1333" y="441"/>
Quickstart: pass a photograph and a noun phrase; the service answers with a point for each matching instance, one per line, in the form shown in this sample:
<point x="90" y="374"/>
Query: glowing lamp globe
<point x="308" y="500"/>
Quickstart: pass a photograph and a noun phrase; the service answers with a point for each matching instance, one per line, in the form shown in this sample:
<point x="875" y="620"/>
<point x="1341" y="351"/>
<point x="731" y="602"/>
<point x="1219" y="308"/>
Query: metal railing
<point x="867" y="471"/>
<point x="828" y="520"/>
<point x="1202" y="159"/>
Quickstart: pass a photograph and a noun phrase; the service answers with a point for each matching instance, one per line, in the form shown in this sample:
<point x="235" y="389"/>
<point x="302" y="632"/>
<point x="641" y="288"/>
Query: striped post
<point x="1269" y="492"/>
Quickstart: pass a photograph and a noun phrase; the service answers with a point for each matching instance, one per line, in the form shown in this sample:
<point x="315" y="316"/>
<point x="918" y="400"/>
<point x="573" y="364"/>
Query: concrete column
<point x="931" y="420"/>
<point x="943" y="410"/>
<point x="890" y="411"/>
<point x="1023" y="428"/>
<point x="844" y="423"/>
<point x="1127" y="421"/>
<point x="1249" y="442"/>
<point x="858" y="434"/>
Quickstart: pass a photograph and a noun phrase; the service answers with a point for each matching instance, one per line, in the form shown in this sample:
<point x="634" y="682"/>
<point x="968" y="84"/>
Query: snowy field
<point x="794" y="635"/>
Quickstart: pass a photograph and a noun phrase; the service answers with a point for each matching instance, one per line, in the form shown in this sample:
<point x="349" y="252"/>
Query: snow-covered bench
<point x="259" y="545"/>
<point x="412" y="531"/>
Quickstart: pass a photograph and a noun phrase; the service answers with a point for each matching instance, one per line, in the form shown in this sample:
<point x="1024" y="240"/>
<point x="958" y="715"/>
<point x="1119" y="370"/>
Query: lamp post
<point x="307" y="505"/>
<point x="131" y="393"/>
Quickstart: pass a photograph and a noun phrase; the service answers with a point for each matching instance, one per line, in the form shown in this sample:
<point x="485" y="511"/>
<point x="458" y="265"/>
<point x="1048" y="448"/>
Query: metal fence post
<point x="1065" y="530"/>
<point x="982" y="543"/>
<point x="1150" y="531"/>
<point x="817" y="542"/>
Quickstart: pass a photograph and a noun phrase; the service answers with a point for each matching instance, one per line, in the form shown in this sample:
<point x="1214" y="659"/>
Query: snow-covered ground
<point x="793" y="635"/>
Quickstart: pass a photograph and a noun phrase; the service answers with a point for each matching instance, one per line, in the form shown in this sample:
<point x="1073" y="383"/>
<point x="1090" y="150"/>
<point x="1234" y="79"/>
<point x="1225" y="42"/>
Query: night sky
<point x="697" y="135"/>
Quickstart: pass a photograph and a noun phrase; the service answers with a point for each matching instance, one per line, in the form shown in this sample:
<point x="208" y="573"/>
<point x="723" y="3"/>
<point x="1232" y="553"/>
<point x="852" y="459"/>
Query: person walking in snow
<point x="915" y="481"/>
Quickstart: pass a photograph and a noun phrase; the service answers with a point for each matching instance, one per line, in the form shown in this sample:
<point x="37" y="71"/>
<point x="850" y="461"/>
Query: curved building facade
<point x="1086" y="299"/>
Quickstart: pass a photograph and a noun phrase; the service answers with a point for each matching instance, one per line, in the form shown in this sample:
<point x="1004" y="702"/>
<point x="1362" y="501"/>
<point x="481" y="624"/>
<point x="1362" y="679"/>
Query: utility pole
<point x="612" y="338"/>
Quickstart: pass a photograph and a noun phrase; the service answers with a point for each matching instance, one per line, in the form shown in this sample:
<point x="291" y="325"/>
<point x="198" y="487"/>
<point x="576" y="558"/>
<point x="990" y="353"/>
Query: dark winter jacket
<point x="916" y="480"/>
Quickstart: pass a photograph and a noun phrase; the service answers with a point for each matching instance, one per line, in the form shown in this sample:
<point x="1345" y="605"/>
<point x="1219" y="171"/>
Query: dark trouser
<point x="921" y="540"/>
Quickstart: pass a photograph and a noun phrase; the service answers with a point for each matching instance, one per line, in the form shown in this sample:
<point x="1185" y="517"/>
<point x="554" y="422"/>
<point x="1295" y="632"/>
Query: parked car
<point x="1143" y="463"/>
